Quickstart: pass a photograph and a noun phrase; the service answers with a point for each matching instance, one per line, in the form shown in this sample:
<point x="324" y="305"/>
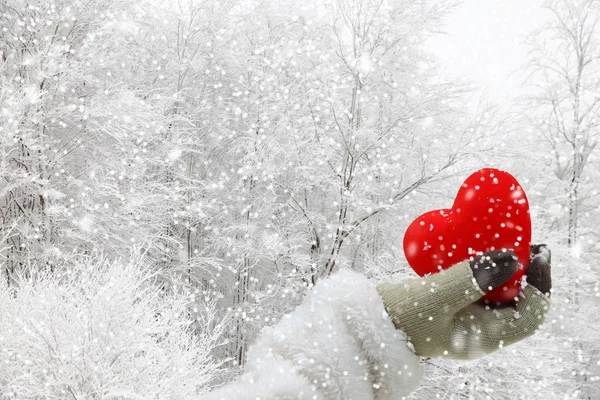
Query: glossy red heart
<point x="490" y="212"/>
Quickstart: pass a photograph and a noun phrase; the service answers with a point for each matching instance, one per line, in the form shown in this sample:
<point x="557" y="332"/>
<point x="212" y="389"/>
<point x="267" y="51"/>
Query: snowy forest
<point x="176" y="175"/>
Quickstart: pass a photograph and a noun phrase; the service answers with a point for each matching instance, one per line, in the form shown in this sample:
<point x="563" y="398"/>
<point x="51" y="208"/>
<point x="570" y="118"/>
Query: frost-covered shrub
<point x="104" y="332"/>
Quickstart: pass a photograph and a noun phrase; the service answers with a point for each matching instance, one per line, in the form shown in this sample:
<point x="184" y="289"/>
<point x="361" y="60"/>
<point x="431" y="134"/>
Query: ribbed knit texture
<point x="441" y="320"/>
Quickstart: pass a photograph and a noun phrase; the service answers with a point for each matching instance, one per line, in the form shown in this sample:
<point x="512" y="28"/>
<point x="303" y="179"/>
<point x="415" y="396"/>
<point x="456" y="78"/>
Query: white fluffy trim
<point x="338" y="344"/>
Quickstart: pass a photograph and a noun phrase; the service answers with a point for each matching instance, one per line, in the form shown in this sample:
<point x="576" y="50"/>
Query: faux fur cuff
<point x="338" y="344"/>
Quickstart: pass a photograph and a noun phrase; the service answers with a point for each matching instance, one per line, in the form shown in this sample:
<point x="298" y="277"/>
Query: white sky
<point x="485" y="42"/>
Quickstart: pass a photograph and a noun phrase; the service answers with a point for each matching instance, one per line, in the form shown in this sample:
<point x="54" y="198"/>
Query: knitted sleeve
<point x="441" y="320"/>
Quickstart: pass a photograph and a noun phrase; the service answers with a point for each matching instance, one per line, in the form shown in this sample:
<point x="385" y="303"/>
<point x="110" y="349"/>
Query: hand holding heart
<point x="488" y="225"/>
<point x="490" y="212"/>
<point x="441" y="316"/>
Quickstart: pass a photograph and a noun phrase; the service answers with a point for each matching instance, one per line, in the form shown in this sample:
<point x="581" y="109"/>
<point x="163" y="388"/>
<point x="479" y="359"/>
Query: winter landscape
<point x="177" y="175"/>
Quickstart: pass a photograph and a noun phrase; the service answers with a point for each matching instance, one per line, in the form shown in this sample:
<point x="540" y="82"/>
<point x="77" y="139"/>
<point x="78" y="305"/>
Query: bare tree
<point x="564" y="72"/>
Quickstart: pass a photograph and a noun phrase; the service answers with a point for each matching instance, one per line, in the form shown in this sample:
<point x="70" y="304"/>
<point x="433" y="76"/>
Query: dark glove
<point x="493" y="268"/>
<point x="539" y="269"/>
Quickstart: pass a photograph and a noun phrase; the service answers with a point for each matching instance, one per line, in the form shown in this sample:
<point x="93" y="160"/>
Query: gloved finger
<point x="539" y="274"/>
<point x="540" y="249"/>
<point x="493" y="268"/>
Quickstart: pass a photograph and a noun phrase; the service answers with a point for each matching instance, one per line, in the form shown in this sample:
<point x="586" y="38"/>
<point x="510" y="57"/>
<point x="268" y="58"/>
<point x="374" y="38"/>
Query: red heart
<point x="490" y="211"/>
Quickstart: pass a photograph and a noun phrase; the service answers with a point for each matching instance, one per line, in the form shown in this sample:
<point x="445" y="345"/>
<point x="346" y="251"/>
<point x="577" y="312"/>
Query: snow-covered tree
<point x="104" y="330"/>
<point x="564" y="70"/>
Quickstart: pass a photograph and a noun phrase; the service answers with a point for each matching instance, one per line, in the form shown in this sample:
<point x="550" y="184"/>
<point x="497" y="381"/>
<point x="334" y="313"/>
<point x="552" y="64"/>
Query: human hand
<point x="443" y="317"/>
<point x="539" y="269"/>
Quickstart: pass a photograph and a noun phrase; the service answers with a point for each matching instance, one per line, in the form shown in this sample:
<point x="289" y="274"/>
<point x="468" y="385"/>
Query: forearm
<point x="418" y="301"/>
<point x="440" y="318"/>
<point x="424" y="308"/>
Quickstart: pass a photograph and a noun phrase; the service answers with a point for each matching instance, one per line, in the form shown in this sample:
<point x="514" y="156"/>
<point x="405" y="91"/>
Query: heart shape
<point x="490" y="212"/>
